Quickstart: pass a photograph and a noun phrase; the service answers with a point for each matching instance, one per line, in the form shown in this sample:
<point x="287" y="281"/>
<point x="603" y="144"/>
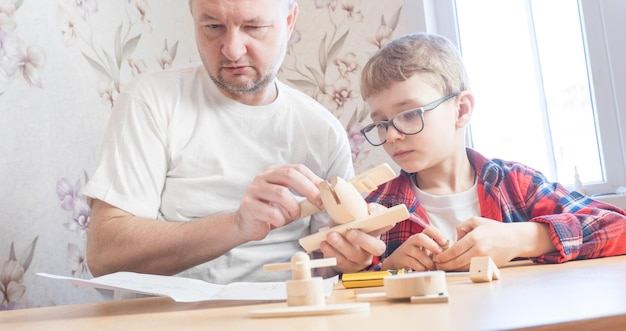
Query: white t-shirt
<point x="445" y="212"/>
<point x="177" y="149"/>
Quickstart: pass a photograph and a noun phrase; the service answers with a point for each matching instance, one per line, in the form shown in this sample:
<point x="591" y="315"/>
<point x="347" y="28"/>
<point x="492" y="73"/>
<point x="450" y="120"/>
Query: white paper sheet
<point x="187" y="289"/>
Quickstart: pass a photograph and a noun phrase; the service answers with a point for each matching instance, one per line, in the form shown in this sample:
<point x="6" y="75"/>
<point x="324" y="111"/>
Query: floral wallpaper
<point x="326" y="62"/>
<point x="63" y="64"/>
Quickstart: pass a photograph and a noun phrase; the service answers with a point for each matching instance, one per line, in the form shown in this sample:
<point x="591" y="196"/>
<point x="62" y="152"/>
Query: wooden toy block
<point x="302" y="289"/>
<point x="483" y="269"/>
<point x="305" y="294"/>
<point x="364" y="183"/>
<point x="374" y="221"/>
<point x="417" y="287"/>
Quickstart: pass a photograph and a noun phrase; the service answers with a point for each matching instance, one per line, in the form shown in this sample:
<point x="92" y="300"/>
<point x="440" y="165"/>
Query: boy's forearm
<point x="535" y="239"/>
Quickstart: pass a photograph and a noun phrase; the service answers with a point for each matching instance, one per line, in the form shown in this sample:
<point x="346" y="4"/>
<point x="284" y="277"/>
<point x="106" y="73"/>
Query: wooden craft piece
<point x="342" y="201"/>
<point x="415" y="284"/>
<point x="305" y="294"/>
<point x="418" y="287"/>
<point x="376" y="220"/>
<point x="364" y="183"/>
<point x="302" y="289"/>
<point x="483" y="269"/>
<point x="347" y="207"/>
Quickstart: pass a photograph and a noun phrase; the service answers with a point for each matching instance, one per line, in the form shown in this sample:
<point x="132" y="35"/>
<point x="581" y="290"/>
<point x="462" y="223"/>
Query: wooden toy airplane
<point x="305" y="294"/>
<point x="346" y="206"/>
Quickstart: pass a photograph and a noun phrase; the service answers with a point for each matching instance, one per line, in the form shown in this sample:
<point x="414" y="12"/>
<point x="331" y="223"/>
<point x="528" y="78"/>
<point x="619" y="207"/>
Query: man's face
<point x="242" y="43"/>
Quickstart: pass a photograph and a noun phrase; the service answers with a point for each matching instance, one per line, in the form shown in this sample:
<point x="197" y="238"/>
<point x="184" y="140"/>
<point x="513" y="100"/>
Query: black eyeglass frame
<point x="420" y="110"/>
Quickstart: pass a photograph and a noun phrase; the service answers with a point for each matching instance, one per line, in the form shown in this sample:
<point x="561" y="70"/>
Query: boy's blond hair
<point x="418" y="52"/>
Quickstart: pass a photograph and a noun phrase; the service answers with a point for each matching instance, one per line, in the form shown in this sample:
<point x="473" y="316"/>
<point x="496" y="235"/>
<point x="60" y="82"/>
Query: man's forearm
<point x="119" y="241"/>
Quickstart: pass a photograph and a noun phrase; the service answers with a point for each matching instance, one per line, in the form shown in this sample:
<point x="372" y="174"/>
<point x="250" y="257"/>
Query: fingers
<point x="296" y="177"/>
<point x="463" y="228"/>
<point x="417" y="259"/>
<point x="372" y="245"/>
<point x="416" y="253"/>
<point x="437" y="236"/>
<point x="254" y="209"/>
<point x="270" y="198"/>
<point x="412" y="258"/>
<point x="422" y="248"/>
<point x="354" y="251"/>
<point x="455" y="256"/>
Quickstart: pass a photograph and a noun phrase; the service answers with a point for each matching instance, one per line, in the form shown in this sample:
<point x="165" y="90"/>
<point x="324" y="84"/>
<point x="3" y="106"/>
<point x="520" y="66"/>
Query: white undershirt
<point x="446" y="211"/>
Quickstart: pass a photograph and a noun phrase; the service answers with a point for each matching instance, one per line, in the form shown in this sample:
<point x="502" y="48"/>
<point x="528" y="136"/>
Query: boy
<point x="420" y="100"/>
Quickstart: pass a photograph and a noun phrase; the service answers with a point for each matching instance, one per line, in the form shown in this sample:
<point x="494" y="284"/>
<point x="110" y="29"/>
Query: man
<point x="175" y="192"/>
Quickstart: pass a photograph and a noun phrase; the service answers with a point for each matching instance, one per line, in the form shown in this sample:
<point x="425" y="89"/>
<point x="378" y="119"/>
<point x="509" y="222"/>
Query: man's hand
<point x="355" y="250"/>
<point x="269" y="202"/>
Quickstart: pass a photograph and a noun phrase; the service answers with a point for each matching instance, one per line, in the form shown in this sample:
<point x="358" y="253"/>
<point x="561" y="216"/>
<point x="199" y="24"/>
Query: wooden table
<point x="578" y="295"/>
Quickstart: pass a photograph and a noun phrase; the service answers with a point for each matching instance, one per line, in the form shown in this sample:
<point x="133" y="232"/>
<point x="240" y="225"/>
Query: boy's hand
<point x="480" y="236"/>
<point x="417" y="252"/>
<point x="503" y="242"/>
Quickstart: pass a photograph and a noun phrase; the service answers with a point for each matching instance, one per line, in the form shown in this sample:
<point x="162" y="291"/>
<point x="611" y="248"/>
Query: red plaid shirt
<point x="580" y="227"/>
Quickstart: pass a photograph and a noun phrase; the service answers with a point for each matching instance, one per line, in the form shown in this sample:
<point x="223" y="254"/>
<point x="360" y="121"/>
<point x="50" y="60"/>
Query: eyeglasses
<point x="408" y="122"/>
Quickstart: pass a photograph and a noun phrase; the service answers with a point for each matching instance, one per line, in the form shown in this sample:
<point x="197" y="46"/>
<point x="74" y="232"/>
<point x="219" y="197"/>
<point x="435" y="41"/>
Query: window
<point x="536" y="97"/>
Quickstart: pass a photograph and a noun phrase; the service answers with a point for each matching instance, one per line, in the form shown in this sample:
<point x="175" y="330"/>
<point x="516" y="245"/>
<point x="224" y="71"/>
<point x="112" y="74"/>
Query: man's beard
<point x="257" y="84"/>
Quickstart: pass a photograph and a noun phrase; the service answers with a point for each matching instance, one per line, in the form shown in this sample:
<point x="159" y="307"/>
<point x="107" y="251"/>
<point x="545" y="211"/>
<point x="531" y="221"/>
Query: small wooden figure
<point x="302" y="289"/>
<point x="305" y="294"/>
<point x="418" y="287"/>
<point x="483" y="269"/>
<point x="346" y="206"/>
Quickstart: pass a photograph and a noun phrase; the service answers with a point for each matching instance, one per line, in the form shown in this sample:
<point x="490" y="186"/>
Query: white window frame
<point x="604" y="24"/>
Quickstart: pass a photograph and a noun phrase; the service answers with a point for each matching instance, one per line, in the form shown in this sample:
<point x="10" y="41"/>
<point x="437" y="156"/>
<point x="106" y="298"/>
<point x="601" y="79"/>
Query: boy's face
<point x="439" y="138"/>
